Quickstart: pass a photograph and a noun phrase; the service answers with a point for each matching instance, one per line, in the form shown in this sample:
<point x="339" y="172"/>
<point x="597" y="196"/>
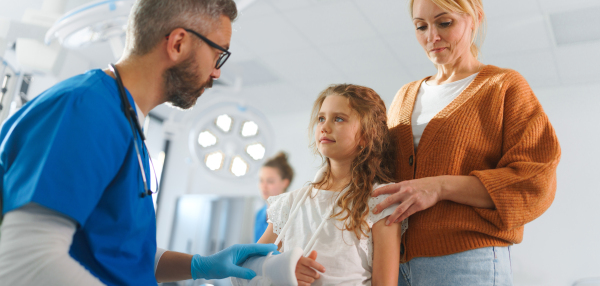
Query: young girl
<point x="332" y="216"/>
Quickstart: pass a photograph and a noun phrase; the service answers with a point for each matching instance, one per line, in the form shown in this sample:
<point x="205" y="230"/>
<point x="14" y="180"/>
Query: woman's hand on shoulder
<point x="413" y="196"/>
<point x="306" y="269"/>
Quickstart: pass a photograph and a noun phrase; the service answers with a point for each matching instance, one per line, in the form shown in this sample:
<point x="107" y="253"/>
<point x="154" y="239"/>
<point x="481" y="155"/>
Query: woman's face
<point x="445" y="36"/>
<point x="271" y="183"/>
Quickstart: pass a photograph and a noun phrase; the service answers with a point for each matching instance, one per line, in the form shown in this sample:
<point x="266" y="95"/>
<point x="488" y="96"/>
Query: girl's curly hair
<point x="374" y="162"/>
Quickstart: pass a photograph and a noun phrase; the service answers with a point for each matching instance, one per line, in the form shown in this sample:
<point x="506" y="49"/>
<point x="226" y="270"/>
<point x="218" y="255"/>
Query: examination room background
<point x="285" y="51"/>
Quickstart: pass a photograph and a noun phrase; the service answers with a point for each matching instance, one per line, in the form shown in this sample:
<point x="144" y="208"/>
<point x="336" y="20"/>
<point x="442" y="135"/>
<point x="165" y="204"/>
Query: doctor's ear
<point x="177" y="44"/>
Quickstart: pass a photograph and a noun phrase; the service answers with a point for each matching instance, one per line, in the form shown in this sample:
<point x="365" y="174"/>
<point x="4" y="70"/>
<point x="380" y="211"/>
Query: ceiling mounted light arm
<point x="99" y="21"/>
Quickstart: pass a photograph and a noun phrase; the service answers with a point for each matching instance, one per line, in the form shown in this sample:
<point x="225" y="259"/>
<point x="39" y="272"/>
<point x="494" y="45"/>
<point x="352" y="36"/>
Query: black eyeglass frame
<point x="222" y="58"/>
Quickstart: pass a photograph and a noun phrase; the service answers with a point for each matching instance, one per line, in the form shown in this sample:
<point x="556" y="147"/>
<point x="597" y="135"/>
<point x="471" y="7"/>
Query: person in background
<point x="275" y="177"/>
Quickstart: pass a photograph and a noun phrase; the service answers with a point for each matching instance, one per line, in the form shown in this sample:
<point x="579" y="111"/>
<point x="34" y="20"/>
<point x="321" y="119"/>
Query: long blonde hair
<point x="374" y="162"/>
<point x="474" y="8"/>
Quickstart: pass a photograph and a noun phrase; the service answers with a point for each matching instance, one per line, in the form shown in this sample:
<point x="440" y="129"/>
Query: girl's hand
<point x="413" y="196"/>
<point x="305" y="269"/>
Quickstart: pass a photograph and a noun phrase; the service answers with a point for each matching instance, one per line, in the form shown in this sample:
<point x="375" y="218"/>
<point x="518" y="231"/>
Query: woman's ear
<point x="286" y="183"/>
<point x="479" y="19"/>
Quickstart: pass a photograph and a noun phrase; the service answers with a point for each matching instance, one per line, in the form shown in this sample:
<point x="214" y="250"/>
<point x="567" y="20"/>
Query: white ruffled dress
<point x="347" y="259"/>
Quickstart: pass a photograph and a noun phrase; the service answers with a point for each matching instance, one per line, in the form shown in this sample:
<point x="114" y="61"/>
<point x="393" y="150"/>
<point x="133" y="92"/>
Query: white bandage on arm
<point x="272" y="269"/>
<point x="34" y="249"/>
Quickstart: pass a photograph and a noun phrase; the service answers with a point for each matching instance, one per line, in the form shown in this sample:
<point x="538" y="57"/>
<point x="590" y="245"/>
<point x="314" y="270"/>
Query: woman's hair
<point x="374" y="162"/>
<point x="474" y="8"/>
<point x="280" y="162"/>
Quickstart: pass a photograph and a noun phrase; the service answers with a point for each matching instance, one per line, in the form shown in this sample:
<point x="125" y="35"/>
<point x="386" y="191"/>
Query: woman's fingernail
<point x="387" y="222"/>
<point x="375" y="210"/>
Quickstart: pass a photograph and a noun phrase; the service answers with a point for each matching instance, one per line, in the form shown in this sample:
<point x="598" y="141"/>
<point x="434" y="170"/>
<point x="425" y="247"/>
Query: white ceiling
<point x="304" y="45"/>
<point x="309" y="44"/>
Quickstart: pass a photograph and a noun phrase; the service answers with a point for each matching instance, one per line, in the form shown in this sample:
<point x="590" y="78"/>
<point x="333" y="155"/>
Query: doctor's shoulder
<point x="83" y="104"/>
<point x="68" y="97"/>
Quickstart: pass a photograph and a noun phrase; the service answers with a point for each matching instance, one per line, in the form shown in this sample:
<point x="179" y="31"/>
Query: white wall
<point x="562" y="246"/>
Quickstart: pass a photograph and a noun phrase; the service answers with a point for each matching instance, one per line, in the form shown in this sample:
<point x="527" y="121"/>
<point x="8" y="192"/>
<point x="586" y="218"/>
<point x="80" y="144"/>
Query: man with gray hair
<point x="76" y="203"/>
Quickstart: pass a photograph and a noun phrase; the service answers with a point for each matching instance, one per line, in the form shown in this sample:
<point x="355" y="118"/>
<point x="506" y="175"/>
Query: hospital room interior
<point x="207" y="160"/>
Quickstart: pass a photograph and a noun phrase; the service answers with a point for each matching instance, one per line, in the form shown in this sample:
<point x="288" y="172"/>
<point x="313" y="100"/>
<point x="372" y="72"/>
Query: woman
<point x="275" y="178"/>
<point x="476" y="157"/>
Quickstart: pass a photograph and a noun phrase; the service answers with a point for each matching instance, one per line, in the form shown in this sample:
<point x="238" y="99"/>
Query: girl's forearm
<point x="386" y="254"/>
<point x="466" y="190"/>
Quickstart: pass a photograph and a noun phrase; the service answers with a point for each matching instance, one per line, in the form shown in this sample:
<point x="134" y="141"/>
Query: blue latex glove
<point x="225" y="263"/>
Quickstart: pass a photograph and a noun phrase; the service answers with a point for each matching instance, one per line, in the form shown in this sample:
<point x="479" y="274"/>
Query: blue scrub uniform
<point x="260" y="223"/>
<point x="71" y="150"/>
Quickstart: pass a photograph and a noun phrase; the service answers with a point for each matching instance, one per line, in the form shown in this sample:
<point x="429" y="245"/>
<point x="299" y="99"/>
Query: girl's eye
<point x="338" y="119"/>
<point x="321" y="119"/>
<point x="446" y="24"/>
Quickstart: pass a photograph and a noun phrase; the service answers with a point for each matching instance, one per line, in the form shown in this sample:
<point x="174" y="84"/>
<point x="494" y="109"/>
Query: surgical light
<point x="256" y="151"/>
<point x="224" y="122"/>
<point x="206" y="139"/>
<point x="99" y="21"/>
<point x="249" y="129"/>
<point x="98" y="32"/>
<point x="239" y="167"/>
<point x="230" y="140"/>
<point x="214" y="160"/>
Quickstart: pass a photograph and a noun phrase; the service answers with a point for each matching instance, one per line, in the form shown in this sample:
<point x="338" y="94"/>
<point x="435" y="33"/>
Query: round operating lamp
<point x="231" y="140"/>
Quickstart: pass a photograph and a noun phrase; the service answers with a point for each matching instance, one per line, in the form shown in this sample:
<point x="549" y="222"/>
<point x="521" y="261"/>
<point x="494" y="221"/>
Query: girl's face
<point x="445" y="36"/>
<point x="271" y="183"/>
<point x="337" y="129"/>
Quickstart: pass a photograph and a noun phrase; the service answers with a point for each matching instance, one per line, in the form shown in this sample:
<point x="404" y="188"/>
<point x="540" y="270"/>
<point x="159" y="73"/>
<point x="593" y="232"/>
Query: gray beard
<point x="181" y="84"/>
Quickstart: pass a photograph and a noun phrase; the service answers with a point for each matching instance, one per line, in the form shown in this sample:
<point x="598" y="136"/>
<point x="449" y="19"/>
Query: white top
<point x="431" y="99"/>
<point x="347" y="260"/>
<point x="34" y="249"/>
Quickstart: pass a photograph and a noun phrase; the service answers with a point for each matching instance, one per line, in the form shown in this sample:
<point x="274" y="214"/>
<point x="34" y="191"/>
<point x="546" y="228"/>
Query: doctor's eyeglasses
<point x="222" y="57"/>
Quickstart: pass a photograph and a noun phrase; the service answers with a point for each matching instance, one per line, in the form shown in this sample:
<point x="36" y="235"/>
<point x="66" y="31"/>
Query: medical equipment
<point x="135" y="126"/>
<point x="230" y="140"/>
<point x="95" y="22"/>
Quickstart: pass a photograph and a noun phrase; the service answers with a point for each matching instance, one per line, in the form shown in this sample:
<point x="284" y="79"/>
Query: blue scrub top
<point x="260" y="224"/>
<point x="71" y="150"/>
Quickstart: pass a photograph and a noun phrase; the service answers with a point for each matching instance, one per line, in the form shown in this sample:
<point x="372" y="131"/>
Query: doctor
<point x="73" y="165"/>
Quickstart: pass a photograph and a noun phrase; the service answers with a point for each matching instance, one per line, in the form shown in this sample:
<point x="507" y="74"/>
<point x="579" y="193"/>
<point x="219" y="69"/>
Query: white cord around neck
<point x="325" y="218"/>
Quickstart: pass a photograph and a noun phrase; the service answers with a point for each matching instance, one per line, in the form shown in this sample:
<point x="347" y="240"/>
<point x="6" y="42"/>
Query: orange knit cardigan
<point x="495" y="130"/>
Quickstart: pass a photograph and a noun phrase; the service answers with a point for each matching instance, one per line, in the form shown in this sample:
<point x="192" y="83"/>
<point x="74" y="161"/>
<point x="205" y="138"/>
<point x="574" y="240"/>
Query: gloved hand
<point x="225" y="263"/>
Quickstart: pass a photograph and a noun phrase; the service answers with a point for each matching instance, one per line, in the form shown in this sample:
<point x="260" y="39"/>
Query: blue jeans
<point x="483" y="266"/>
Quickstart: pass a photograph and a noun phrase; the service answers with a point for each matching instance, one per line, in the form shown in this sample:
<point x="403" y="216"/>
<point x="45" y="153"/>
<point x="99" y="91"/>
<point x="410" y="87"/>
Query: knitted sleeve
<point x="523" y="184"/>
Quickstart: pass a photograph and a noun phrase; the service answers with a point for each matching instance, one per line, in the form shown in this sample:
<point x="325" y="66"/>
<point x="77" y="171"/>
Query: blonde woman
<point x="476" y="158"/>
